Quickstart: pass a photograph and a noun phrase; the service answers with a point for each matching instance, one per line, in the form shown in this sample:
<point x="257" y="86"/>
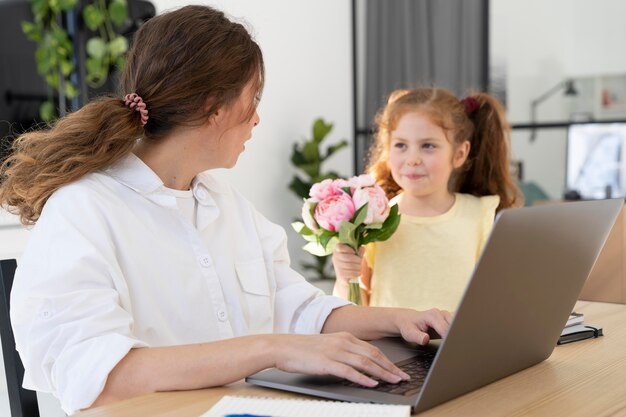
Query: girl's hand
<point x="339" y="354"/>
<point x="347" y="264"/>
<point x="420" y="326"/>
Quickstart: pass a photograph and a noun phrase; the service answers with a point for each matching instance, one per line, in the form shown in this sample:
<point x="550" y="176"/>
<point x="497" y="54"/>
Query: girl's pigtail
<point x="487" y="170"/>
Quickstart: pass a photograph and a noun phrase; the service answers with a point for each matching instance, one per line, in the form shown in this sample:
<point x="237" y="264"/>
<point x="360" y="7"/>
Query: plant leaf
<point x="316" y="249"/>
<point x="47" y="111"/>
<point x="118" y="10"/>
<point x="92" y="16"/>
<point x="334" y="148"/>
<point x="65" y="4"/>
<point x="311" y="152"/>
<point x="118" y="46"/>
<point x="325" y="237"/>
<point x="299" y="187"/>
<point x="347" y="234"/>
<point x="96" y="47"/>
<point x="32" y="31"/>
<point x="320" y="130"/>
<point x="360" y="215"/>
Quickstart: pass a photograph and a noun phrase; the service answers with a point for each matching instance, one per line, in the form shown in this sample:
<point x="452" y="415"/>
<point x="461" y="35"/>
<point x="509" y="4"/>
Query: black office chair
<point x="23" y="402"/>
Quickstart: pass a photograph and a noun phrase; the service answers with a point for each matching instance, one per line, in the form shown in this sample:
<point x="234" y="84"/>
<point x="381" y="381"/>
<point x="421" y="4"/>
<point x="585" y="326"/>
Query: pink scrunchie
<point x="135" y="102"/>
<point x="471" y="105"/>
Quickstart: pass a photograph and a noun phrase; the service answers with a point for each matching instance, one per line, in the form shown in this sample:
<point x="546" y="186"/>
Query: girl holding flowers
<point x="445" y="163"/>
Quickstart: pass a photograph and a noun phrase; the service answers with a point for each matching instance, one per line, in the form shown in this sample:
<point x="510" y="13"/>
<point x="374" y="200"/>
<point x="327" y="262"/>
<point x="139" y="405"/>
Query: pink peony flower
<point x="378" y="208"/>
<point x="333" y="210"/>
<point x="361" y="181"/>
<point x="307" y="215"/>
<point x="323" y="190"/>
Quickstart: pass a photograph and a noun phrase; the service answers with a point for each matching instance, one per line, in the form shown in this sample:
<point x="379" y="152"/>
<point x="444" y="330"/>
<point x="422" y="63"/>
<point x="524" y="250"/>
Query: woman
<point x="143" y="272"/>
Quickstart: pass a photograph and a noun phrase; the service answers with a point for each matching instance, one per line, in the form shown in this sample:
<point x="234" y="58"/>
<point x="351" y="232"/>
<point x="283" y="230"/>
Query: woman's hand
<point x="421" y="326"/>
<point x="370" y="323"/>
<point x="340" y="354"/>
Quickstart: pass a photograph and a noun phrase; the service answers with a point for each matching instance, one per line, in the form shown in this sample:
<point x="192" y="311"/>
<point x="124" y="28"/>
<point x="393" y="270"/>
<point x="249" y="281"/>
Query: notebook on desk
<point x="514" y="308"/>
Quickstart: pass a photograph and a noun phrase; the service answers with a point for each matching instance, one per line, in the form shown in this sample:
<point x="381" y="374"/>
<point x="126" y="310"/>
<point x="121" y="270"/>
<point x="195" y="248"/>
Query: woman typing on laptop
<point x="145" y="273"/>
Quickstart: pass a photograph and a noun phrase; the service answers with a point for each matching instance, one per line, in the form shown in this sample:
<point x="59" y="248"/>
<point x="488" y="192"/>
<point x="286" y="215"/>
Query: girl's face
<point x="421" y="158"/>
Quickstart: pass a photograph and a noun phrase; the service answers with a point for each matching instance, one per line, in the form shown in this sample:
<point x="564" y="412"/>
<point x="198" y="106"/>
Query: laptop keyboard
<point x="417" y="367"/>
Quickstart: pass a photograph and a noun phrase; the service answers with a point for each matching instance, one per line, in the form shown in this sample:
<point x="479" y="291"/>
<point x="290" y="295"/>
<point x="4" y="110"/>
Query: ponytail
<point x="487" y="169"/>
<point x="90" y="139"/>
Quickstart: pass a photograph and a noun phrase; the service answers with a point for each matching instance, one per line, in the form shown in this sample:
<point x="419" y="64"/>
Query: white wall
<point x="541" y="43"/>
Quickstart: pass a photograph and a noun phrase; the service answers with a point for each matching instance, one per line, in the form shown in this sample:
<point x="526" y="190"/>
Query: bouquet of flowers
<point x="353" y="212"/>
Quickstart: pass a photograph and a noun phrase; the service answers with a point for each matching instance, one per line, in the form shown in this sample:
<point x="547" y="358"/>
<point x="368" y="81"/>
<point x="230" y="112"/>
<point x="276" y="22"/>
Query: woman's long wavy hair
<point x="185" y="64"/>
<point x="487" y="168"/>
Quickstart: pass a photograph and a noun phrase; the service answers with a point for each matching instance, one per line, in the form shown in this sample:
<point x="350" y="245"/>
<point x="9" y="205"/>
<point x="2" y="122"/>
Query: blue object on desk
<point x="244" y="415"/>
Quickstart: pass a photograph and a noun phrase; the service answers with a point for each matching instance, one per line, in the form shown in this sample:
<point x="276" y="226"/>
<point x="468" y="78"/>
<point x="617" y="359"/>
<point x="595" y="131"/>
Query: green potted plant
<point x="308" y="156"/>
<point x="55" y="54"/>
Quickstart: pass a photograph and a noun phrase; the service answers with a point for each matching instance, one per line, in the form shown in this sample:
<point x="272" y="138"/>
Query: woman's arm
<point x="375" y="322"/>
<point x="146" y="370"/>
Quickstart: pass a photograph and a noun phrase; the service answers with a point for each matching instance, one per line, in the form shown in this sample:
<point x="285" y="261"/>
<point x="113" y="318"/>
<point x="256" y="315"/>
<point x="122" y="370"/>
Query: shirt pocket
<point x="256" y="295"/>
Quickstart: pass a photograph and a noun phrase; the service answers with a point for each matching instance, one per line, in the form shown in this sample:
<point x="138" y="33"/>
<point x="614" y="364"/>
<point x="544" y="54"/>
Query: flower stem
<point x="354" y="291"/>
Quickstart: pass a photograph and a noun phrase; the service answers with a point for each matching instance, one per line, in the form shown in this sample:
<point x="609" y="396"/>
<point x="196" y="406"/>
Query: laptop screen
<point x="596" y="160"/>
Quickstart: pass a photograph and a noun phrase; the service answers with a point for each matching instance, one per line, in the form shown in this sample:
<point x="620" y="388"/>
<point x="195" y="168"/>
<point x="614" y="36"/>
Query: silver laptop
<point x="522" y="291"/>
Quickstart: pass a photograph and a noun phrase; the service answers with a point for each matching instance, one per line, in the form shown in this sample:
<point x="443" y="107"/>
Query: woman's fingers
<point x="342" y="355"/>
<point x="367" y="358"/>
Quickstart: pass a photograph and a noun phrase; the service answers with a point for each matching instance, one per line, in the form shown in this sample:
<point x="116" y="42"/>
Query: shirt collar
<point x="135" y="174"/>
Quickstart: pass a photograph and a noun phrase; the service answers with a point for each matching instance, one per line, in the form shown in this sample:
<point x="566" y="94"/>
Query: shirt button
<point x="205" y="261"/>
<point x="201" y="194"/>
<point x="222" y="315"/>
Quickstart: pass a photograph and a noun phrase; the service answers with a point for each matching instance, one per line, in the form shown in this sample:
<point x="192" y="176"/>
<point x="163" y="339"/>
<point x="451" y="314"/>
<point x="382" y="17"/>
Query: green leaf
<point x="120" y="63"/>
<point x="316" y="249"/>
<point x="96" y="47"/>
<point x="360" y="215"/>
<point x="118" y="10"/>
<point x="118" y="46"/>
<point x="52" y="79"/>
<point x="334" y="148"/>
<point x="299" y="187"/>
<point x="40" y="9"/>
<point x="66" y="67"/>
<point x="297" y="157"/>
<point x="347" y="235"/>
<point x="320" y="130"/>
<point x="312" y="169"/>
<point x="66" y="4"/>
<point x="311" y="152"/>
<point x="47" y="111"/>
<point x="32" y="31"/>
<point x="96" y="70"/>
<point x="389" y="227"/>
<point x="325" y="236"/>
<point x="301" y="228"/>
<point x="93" y="17"/>
<point x="70" y="90"/>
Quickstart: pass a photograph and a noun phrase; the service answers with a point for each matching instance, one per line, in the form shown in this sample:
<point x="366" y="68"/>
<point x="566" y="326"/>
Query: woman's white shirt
<point x="112" y="264"/>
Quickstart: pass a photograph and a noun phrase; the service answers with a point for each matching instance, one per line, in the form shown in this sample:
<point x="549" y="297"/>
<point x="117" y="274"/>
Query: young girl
<point x="146" y="273"/>
<point x="445" y="162"/>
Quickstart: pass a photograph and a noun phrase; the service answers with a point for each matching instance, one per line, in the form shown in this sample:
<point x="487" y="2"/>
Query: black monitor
<point x="596" y="160"/>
